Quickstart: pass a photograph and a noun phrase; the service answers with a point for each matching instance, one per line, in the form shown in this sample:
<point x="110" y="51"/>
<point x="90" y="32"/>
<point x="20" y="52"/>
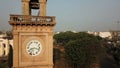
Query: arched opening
<point x="4" y="45"/>
<point x="34" y="12"/>
<point x="34" y="7"/>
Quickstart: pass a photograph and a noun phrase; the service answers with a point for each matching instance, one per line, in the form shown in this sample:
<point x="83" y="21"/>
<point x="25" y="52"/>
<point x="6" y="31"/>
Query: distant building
<point x="116" y="36"/>
<point x="4" y="45"/>
<point x="102" y="34"/>
<point x="105" y="35"/>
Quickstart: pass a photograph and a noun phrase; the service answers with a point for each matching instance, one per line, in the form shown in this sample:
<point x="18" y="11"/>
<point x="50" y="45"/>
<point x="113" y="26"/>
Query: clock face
<point x="34" y="47"/>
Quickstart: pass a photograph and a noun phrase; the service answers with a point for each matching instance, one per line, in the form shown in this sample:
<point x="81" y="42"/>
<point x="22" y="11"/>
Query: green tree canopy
<point x="64" y="37"/>
<point x="81" y="48"/>
<point x="75" y="53"/>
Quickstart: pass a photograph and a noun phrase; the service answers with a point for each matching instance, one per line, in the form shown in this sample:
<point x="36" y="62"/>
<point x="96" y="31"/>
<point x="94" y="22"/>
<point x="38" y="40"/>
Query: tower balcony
<point x="32" y="20"/>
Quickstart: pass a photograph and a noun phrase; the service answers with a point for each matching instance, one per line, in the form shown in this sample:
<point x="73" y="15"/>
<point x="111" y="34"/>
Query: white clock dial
<point x="34" y="47"/>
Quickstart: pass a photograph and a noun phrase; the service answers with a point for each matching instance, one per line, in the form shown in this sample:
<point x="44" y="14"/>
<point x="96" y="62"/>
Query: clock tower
<point x="32" y="36"/>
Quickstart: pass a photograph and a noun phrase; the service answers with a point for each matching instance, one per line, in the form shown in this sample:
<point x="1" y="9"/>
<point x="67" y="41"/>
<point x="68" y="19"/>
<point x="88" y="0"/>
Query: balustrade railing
<point x="27" y="19"/>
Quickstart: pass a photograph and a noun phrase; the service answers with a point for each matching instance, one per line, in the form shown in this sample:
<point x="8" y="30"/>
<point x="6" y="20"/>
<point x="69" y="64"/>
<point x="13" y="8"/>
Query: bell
<point x="34" y="4"/>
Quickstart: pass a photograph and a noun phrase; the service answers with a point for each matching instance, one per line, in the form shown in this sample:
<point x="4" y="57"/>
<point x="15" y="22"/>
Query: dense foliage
<point x="3" y="64"/>
<point x="81" y="49"/>
<point x="115" y="51"/>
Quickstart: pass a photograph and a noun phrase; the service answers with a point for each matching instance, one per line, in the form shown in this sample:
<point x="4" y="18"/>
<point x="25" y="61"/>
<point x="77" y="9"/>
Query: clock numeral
<point x="35" y="42"/>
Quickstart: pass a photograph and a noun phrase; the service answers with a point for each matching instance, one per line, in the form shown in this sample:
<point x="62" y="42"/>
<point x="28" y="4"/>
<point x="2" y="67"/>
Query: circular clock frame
<point x="34" y="47"/>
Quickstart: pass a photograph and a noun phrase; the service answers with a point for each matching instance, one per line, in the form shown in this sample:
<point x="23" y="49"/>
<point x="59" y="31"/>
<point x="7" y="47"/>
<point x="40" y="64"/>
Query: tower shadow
<point x="10" y="57"/>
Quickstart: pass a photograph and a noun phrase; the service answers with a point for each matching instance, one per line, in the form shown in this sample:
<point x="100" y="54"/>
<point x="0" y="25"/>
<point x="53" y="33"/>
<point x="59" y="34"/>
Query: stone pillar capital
<point x="42" y="1"/>
<point x="25" y="0"/>
<point x="15" y="33"/>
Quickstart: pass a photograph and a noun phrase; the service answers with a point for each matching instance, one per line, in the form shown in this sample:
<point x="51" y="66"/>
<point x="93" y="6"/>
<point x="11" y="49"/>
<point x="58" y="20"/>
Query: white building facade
<point x="102" y="34"/>
<point x="4" y="45"/>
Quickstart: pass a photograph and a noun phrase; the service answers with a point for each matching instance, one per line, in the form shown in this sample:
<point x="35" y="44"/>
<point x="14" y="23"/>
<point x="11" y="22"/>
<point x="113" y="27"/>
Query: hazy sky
<point x="78" y="15"/>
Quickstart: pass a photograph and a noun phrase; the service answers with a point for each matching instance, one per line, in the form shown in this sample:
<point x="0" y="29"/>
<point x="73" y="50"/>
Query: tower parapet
<point x="28" y="19"/>
<point x="32" y="20"/>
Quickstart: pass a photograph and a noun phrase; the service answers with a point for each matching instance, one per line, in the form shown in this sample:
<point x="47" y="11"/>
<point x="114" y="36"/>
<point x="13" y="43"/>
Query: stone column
<point x="6" y="47"/>
<point x="25" y="7"/>
<point x="1" y="50"/>
<point x="42" y="5"/>
<point x="15" y="50"/>
<point x="50" y="45"/>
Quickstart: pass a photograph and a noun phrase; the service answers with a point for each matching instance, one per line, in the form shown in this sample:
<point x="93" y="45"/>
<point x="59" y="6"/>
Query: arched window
<point x="4" y="45"/>
<point x="4" y="53"/>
